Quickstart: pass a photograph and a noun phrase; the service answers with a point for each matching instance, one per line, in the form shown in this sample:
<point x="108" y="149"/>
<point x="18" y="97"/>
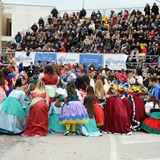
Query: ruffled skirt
<point x="12" y="116"/>
<point x="152" y="123"/>
<point x="74" y="112"/>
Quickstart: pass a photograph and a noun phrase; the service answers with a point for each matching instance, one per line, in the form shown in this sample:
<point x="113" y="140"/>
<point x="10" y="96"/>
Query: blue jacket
<point x="156" y="91"/>
<point x="18" y="38"/>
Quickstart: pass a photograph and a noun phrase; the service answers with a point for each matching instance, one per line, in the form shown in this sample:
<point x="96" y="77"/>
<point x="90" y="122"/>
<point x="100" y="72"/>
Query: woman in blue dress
<point x="13" y="111"/>
<point x="89" y="129"/>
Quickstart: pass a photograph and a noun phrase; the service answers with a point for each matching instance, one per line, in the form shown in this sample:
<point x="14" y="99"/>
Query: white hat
<point x="61" y="91"/>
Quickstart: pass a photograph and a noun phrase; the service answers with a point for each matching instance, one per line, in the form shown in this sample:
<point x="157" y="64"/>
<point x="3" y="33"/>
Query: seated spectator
<point x="13" y="45"/>
<point x="65" y="16"/>
<point x="41" y="22"/>
<point x="116" y="48"/>
<point x="62" y="49"/>
<point x="34" y="27"/>
<point x="151" y="35"/>
<point x="49" y="20"/>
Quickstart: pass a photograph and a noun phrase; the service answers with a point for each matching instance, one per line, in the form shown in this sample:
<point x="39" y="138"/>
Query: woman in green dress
<point x="89" y="129"/>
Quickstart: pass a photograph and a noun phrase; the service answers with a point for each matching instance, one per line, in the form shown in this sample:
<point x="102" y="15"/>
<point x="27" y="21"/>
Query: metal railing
<point x="148" y="60"/>
<point x="104" y="12"/>
<point x="3" y="55"/>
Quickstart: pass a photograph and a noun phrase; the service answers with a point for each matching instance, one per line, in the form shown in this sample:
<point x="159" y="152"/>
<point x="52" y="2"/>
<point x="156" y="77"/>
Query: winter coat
<point x="82" y="13"/>
<point x="54" y="13"/>
<point x="18" y="38"/>
<point x="147" y="10"/>
<point x="155" y="10"/>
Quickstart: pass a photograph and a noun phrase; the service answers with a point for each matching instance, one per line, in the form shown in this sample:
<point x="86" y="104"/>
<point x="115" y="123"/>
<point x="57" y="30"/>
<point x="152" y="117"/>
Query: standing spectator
<point x="31" y="69"/>
<point x="134" y="56"/>
<point x="155" y="9"/>
<point x="54" y="12"/>
<point x="111" y="14"/>
<point x="41" y="22"/>
<point x="18" y="37"/>
<point x="39" y="65"/>
<point x="98" y="18"/>
<point x="147" y="10"/>
<point x="155" y="91"/>
<point x="34" y="28"/>
<point x="82" y="13"/>
<point x="126" y="15"/>
<point x="93" y="16"/>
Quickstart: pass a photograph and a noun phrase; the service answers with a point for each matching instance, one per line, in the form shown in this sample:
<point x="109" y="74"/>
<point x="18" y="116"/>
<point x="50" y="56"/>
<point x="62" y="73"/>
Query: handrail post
<point x="158" y="60"/>
<point x="104" y="12"/>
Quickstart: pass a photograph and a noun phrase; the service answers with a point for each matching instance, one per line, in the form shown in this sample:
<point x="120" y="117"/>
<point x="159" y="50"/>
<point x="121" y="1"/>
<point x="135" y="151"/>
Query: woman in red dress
<point x="37" y="123"/>
<point x="51" y="80"/>
<point x="138" y="109"/>
<point x="116" y="117"/>
<point x="98" y="111"/>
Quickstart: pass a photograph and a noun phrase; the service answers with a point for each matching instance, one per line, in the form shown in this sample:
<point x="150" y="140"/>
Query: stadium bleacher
<point x="133" y="34"/>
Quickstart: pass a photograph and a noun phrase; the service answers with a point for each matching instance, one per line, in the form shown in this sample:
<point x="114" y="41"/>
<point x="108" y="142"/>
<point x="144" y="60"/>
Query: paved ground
<point x="138" y="146"/>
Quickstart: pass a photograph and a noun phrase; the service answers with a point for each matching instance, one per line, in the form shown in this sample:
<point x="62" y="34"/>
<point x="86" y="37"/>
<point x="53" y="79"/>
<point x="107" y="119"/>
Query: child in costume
<point x="98" y="111"/>
<point x="73" y="111"/>
<point x="89" y="129"/>
<point x="54" y="114"/>
<point x="152" y="123"/>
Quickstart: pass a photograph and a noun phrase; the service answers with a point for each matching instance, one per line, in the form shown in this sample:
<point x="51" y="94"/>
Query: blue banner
<point x="45" y="56"/>
<point x="87" y="59"/>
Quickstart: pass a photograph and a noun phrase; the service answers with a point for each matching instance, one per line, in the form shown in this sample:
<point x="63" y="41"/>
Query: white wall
<point x="24" y="16"/>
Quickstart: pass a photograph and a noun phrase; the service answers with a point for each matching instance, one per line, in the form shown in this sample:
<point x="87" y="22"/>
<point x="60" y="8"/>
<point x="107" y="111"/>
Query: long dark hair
<point x="139" y="71"/>
<point x="86" y="79"/>
<point x="18" y="83"/>
<point x="49" y="70"/>
<point x="80" y="84"/>
<point x="1" y="78"/>
<point x="88" y="103"/>
<point x="71" y="88"/>
<point x="90" y="92"/>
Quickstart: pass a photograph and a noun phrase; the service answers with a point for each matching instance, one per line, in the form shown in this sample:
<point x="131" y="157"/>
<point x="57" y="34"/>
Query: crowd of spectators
<point x="129" y="33"/>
